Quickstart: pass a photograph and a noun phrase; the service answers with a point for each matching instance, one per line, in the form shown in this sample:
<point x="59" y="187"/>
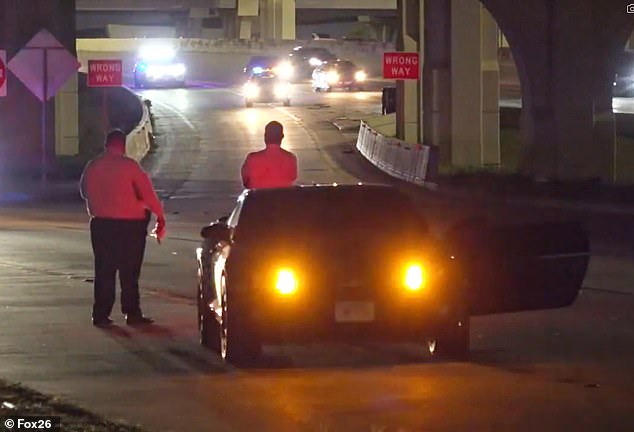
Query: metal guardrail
<point x="413" y="163"/>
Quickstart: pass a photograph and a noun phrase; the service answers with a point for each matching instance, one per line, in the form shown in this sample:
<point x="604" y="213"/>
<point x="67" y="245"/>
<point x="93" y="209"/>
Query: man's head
<point x="115" y="141"/>
<point x="273" y="133"/>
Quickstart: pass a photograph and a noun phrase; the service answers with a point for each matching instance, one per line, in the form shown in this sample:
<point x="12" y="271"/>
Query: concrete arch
<point x="561" y="49"/>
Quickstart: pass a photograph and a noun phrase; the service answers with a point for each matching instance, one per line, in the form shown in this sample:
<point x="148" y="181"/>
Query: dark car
<point x="266" y="87"/>
<point x="358" y="263"/>
<point x="340" y="74"/>
<point x="624" y="77"/>
<point x="304" y="59"/>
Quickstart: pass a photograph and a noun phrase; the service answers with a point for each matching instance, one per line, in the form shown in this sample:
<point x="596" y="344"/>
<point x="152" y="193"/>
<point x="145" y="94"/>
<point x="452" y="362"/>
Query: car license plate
<point x="354" y="311"/>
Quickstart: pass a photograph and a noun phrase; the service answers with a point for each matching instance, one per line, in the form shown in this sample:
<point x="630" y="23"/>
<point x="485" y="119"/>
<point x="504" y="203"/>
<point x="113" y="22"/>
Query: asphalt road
<point x="568" y="369"/>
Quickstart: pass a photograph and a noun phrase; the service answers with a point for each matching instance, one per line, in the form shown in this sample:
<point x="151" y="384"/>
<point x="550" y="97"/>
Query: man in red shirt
<point x="272" y="167"/>
<point x="120" y="199"/>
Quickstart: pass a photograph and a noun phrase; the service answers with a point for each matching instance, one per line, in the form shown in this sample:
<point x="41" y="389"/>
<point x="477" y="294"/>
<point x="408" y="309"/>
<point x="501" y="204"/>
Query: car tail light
<point x="286" y="282"/>
<point x="414" y="277"/>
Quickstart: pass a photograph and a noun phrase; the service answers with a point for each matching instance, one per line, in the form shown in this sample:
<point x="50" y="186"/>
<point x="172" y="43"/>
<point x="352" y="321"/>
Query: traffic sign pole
<point x="3" y="73"/>
<point x="44" y="101"/>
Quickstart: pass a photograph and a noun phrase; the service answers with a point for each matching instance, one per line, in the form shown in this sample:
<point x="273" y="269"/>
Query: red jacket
<point x="269" y="168"/>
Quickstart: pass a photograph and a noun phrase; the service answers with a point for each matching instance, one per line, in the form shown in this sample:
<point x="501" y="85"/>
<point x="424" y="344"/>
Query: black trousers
<point x="118" y="245"/>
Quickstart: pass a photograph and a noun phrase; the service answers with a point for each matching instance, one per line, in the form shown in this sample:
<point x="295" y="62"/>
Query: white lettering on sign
<point x="401" y="71"/>
<point x="104" y="78"/>
<point x="105" y="67"/>
<point x="401" y="60"/>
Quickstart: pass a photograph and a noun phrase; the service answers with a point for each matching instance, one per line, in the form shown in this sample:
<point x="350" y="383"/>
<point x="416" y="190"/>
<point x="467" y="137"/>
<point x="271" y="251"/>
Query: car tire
<point x="238" y="344"/>
<point x="287" y="102"/>
<point x="249" y="104"/>
<point x="452" y="338"/>
<point x="208" y="327"/>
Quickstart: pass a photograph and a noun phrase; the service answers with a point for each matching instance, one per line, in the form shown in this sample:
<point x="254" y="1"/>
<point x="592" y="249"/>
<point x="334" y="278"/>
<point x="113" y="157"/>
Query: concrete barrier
<point x="138" y="141"/>
<point x="409" y="162"/>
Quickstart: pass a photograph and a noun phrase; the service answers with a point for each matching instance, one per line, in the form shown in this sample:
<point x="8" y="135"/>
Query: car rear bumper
<point x="291" y="320"/>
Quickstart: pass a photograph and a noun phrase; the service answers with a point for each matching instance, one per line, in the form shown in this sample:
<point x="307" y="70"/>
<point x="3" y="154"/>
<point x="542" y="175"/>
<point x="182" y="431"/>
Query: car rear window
<point x="310" y="213"/>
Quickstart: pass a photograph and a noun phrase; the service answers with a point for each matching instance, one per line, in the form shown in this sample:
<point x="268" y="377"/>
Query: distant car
<point x="261" y="64"/>
<point x="624" y="78"/>
<point x="340" y="74"/>
<point x="357" y="262"/>
<point x="159" y="66"/>
<point x="266" y="87"/>
<point x="305" y="59"/>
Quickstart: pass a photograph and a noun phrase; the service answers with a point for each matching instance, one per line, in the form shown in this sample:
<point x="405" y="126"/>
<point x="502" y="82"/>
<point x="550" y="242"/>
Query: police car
<point x="266" y="87"/>
<point x="159" y="66"/>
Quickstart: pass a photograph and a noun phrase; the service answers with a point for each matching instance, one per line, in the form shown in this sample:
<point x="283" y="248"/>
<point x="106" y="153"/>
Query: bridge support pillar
<point x="277" y="19"/>
<point x="567" y="124"/>
<point x="474" y="86"/>
<point x="409" y="92"/>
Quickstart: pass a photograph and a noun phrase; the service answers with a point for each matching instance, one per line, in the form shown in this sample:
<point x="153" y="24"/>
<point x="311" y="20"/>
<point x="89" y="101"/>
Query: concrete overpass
<point x="270" y="19"/>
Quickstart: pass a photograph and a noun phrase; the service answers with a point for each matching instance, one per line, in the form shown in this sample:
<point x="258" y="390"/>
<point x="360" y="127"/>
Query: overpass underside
<point x="565" y="53"/>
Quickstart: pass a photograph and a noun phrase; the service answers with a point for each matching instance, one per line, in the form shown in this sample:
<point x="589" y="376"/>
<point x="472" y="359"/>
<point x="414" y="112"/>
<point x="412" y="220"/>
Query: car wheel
<point x="287" y="102"/>
<point x="249" y="104"/>
<point x="207" y="323"/>
<point x="451" y="341"/>
<point x="238" y="345"/>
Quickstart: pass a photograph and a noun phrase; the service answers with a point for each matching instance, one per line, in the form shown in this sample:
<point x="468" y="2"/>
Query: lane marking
<point x="177" y="112"/>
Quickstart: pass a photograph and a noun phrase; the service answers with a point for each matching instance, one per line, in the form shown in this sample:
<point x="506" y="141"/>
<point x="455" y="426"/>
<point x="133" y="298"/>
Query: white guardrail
<point x="138" y="141"/>
<point x="410" y="162"/>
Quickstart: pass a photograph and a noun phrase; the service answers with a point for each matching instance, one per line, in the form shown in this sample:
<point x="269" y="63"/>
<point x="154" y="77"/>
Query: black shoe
<point x="102" y="322"/>
<point x="135" y="320"/>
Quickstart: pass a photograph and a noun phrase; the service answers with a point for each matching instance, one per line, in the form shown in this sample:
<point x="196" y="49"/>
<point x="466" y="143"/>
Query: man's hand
<point x="159" y="230"/>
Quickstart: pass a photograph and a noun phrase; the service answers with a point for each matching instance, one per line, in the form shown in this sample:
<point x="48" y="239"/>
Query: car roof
<point x="308" y="190"/>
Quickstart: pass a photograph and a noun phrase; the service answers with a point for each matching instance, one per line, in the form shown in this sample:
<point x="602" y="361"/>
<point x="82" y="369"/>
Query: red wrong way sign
<point x="3" y="73"/>
<point x="401" y="65"/>
<point x="105" y="73"/>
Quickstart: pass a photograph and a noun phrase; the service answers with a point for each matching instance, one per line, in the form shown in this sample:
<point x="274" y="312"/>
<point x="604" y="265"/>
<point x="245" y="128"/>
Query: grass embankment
<point x="18" y="400"/>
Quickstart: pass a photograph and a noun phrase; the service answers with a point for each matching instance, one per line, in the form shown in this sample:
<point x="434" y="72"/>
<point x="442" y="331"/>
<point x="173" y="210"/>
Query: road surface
<point x="569" y="369"/>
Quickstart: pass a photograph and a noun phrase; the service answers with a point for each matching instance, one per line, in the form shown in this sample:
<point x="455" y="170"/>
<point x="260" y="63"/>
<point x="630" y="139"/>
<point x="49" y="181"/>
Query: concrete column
<point x="490" y="74"/>
<point x="277" y="19"/>
<point x="408" y="92"/>
<point x="436" y="81"/>
<point x="67" y="119"/>
<point x="474" y="86"/>
<point x="247" y="12"/>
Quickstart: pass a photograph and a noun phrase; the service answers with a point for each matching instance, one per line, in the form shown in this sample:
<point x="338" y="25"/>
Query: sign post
<point x="3" y="73"/>
<point x="44" y="66"/>
<point x="105" y="73"/>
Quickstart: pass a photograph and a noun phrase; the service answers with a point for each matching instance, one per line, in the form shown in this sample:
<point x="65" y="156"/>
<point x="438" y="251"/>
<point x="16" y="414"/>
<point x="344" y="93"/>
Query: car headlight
<point x="284" y="70"/>
<point x="314" y="62"/>
<point x="179" y="69"/>
<point x="251" y="90"/>
<point x="415" y="277"/>
<point x="281" y="90"/>
<point x="286" y="282"/>
<point x="332" y="77"/>
<point x="360" y="76"/>
<point x="155" y="71"/>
